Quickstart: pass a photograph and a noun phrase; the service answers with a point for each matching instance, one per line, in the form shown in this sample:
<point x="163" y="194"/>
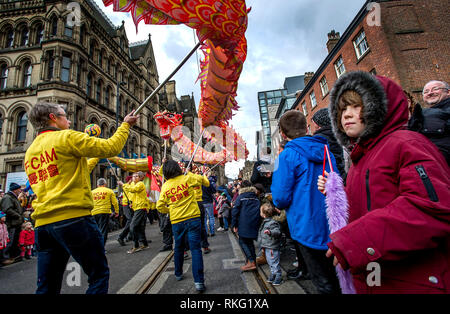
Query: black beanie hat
<point x="321" y="117"/>
<point x="14" y="186"/>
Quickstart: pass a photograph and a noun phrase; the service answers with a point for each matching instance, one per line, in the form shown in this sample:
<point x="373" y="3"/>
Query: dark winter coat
<point x="434" y="123"/>
<point x="10" y="205"/>
<point x="208" y="191"/>
<point x="272" y="240"/>
<point x="245" y="213"/>
<point x="335" y="147"/>
<point x="398" y="192"/>
<point x="259" y="177"/>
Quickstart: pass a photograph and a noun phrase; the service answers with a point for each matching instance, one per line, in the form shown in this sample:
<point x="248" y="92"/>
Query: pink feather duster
<point x="337" y="215"/>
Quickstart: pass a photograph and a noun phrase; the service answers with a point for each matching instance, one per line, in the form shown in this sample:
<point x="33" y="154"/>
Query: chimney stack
<point x="308" y="77"/>
<point x="333" y="38"/>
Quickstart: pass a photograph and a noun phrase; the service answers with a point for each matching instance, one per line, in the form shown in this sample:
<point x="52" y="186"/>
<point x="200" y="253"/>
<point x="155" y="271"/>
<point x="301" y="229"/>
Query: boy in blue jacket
<point x="293" y="188"/>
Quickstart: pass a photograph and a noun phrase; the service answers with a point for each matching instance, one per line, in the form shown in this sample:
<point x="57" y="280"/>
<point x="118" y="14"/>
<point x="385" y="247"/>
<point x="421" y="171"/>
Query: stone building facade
<point x="44" y="58"/>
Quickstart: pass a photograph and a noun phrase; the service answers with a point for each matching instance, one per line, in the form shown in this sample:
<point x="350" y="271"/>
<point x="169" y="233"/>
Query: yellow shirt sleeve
<point x="161" y="204"/>
<point x="114" y="202"/>
<point x="92" y="162"/>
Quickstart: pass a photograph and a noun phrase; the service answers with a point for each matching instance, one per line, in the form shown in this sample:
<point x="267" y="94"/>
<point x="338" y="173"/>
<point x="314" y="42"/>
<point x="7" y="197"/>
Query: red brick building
<point x="406" y="40"/>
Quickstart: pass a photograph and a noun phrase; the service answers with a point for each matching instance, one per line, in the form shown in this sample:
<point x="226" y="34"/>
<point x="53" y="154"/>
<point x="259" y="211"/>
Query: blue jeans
<point x="273" y="259"/>
<point x="209" y="211"/>
<point x="190" y="228"/>
<point x="76" y="237"/>
<point x="248" y="247"/>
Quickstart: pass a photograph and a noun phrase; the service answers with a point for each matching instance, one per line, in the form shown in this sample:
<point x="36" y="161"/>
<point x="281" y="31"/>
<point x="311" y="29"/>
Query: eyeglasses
<point x="433" y="90"/>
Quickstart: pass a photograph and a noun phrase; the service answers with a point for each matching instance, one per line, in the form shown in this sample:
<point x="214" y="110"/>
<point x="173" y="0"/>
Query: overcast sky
<point x="285" y="38"/>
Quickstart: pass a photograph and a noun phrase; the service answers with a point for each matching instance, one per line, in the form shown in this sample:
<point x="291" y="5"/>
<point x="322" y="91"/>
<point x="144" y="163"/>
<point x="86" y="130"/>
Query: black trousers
<point x="102" y="221"/>
<point x="128" y="213"/>
<point x="166" y="228"/>
<point x="321" y="270"/>
<point x="137" y="227"/>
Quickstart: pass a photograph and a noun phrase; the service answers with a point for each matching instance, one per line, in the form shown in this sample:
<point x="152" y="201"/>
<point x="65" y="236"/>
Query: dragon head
<point x="167" y="121"/>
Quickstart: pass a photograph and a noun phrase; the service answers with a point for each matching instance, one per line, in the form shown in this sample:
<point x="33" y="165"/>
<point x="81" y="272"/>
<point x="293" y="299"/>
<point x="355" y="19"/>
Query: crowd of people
<point x="391" y="156"/>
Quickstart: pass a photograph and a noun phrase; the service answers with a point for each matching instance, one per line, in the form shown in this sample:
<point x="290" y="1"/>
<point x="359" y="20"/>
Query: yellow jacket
<point x="57" y="169"/>
<point x="137" y="194"/>
<point x="198" y="189"/>
<point x="103" y="199"/>
<point x="178" y="198"/>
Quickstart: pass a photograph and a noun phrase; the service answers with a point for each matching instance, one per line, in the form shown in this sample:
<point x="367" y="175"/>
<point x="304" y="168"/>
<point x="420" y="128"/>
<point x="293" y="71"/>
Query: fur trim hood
<point x="374" y="100"/>
<point x="248" y="189"/>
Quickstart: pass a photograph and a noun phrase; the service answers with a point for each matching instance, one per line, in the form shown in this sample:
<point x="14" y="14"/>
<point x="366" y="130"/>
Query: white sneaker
<point x="220" y="229"/>
<point x="295" y="264"/>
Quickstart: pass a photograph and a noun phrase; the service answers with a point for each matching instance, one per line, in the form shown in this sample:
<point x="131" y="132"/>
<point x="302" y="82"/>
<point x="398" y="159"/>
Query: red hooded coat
<point x="399" y="199"/>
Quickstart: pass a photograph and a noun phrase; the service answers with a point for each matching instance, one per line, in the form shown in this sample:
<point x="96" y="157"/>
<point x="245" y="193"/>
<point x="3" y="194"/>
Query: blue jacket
<point x="245" y="213"/>
<point x="294" y="188"/>
<point x="208" y="192"/>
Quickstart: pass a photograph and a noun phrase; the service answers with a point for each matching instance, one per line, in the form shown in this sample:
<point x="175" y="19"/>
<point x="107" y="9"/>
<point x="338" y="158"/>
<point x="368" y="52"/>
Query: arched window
<point x="27" y="69"/>
<point x="54" y="26"/>
<point x="68" y="30"/>
<point x="150" y="150"/>
<point x="1" y="124"/>
<point x="89" y="85"/>
<point x="100" y="58"/>
<point x="111" y="131"/>
<point x="39" y="34"/>
<point x="104" y="129"/>
<point x="92" y="49"/>
<point x="98" y="97"/>
<point x="9" y="37"/>
<point x="51" y="64"/>
<point x="66" y="65"/>
<point x="24" y="36"/>
<point x="3" y="75"/>
<point x="107" y="96"/>
<point x="21" y="127"/>
<point x="125" y="109"/>
<point x="133" y="148"/>
<point x="82" y="34"/>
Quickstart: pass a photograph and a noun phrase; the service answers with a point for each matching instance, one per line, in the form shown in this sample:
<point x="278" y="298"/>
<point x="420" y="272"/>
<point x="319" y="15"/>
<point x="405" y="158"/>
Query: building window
<point x="82" y="34"/>
<point x="9" y="37"/>
<point x="54" y="26"/>
<point x="312" y="96"/>
<point x="324" y="86"/>
<point x="89" y="85"/>
<point x="339" y="66"/>
<point x="360" y="44"/>
<point x="98" y="97"/>
<point x="305" y="111"/>
<point x="66" y="65"/>
<point x="3" y="75"/>
<point x="25" y="35"/>
<point x="100" y="59"/>
<point x="68" y="30"/>
<point x="51" y="65"/>
<point x="80" y="71"/>
<point x="1" y="125"/>
<point x="21" y="127"/>
<point x="91" y="50"/>
<point x="39" y="34"/>
<point x="107" y="96"/>
<point x="27" y="69"/>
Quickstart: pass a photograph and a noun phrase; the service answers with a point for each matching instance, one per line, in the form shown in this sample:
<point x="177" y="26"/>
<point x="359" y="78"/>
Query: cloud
<point x="284" y="38"/>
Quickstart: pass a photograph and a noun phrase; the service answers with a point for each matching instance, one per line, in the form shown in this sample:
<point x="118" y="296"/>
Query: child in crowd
<point x="26" y="240"/>
<point x="4" y="238"/>
<point x="224" y="210"/>
<point x="269" y="237"/>
<point x="245" y="222"/>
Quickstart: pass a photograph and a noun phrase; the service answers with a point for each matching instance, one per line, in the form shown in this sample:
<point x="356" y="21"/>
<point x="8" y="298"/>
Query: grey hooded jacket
<point x="272" y="240"/>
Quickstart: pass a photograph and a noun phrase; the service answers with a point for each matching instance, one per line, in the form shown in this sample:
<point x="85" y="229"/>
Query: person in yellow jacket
<point x="104" y="200"/>
<point x="137" y="193"/>
<point x="178" y="198"/>
<point x="57" y="169"/>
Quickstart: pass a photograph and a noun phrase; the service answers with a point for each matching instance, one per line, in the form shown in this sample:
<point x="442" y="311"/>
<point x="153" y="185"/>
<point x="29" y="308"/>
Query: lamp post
<point x="119" y="83"/>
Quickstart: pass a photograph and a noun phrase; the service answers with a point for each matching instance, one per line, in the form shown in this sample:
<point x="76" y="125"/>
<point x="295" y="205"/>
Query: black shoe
<point x="297" y="274"/>
<point x="27" y="256"/>
<point x="166" y="248"/>
<point x="206" y="250"/>
<point x="121" y="242"/>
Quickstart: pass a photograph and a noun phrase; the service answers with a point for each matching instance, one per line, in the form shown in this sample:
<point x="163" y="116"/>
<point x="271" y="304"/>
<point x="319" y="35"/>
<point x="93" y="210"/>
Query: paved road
<point x="222" y="274"/>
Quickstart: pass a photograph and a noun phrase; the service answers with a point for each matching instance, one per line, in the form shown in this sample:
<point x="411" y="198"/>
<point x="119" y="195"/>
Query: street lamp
<point x="117" y="102"/>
